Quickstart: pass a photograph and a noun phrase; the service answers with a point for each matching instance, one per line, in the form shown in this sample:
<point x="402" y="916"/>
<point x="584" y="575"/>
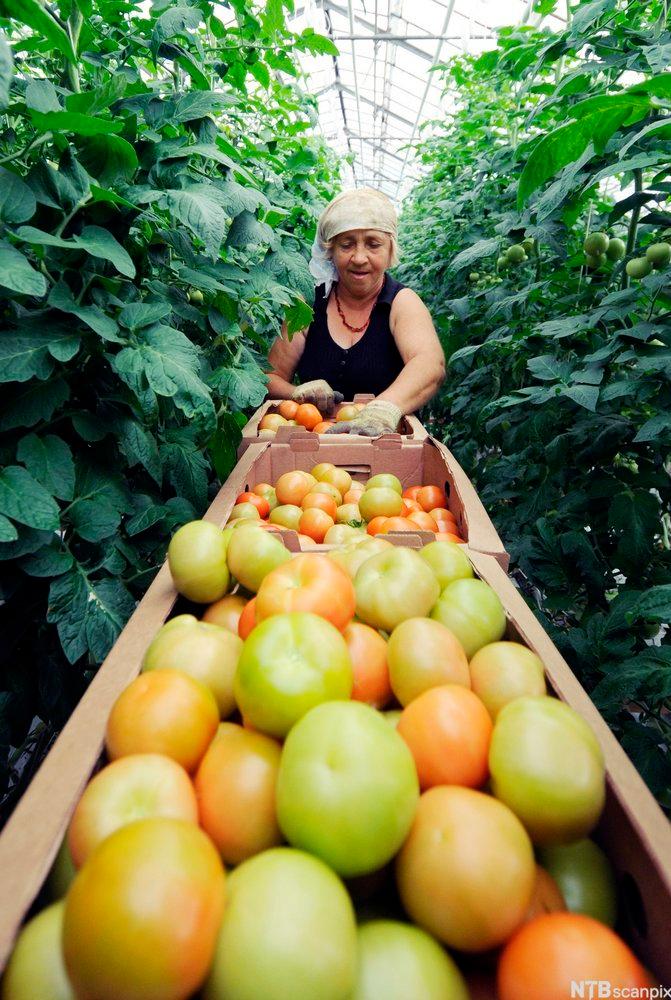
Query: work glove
<point x="318" y="392"/>
<point x="376" y="418"/>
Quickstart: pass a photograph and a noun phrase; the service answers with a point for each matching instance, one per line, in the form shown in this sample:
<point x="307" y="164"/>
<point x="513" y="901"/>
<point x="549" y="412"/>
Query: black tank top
<point x="370" y="366"/>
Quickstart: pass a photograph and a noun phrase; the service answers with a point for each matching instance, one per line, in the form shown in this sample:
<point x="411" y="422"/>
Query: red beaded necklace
<point x="352" y="329"/>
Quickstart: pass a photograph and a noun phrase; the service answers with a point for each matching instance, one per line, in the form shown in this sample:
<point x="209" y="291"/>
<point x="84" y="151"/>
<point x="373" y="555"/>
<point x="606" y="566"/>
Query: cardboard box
<point x="633" y="830"/>
<point x="410" y="429"/>
<point x="416" y="463"/>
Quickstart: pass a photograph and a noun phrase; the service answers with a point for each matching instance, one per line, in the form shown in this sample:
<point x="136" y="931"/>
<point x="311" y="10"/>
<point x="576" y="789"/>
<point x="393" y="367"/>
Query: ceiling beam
<point x="378" y="107"/>
<point x="388" y="36"/>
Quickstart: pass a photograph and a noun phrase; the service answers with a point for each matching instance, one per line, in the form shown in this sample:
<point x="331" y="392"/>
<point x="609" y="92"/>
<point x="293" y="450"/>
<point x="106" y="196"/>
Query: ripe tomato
<point x="197" y="561"/>
<point x="163" y="711"/>
<point x="287" y="515"/>
<point x="320" y="501"/>
<point x="289" y="663"/>
<point x="291" y="487"/>
<point x="546" y="896"/>
<point x="423" y="654"/>
<point x="398" y="524"/>
<point x="226" y="612"/>
<point x="134" y="787"/>
<point x="380" y="501"/>
<point x="252" y="554"/>
<point x="423" y="521"/>
<point x="547" y="766"/>
<point x="309" y="582"/>
<point x="448" y="730"/>
<point x="547" y="954"/>
<point x="289" y="930"/>
<point x="347" y="788"/>
<point x="368" y="653"/>
<point x="206" y="652"/>
<point x="355" y="554"/>
<point x="315" y="523"/>
<point x="392" y="586"/>
<point x="466" y="871"/>
<point x="385" y="480"/>
<point x="409" y="506"/>
<point x="142" y="915"/>
<point x="235" y="784"/>
<point x="376" y="525"/>
<point x="307" y="415"/>
<point x="585" y="877"/>
<point x="472" y="611"/>
<point x="503" y="671"/>
<point x="36" y="967"/>
<point x="247" y="619"/>
<point x="410" y="493"/>
<point x="448" y="536"/>
<point x="272" y="422"/>
<point x="288" y="408"/>
<point x="443" y="514"/>
<point x="260" y="503"/>
<point x="322" y="426"/>
<point x="431" y="496"/>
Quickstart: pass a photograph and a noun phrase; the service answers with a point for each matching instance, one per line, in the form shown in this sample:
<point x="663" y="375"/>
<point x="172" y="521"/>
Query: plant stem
<point x="633" y="223"/>
<point x="31" y="145"/>
<point x="75" y="22"/>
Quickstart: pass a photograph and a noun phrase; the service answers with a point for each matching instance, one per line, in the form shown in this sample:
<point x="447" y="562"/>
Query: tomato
<point x="253" y="554"/>
<point x="206" y="652"/>
<point x="380" y="501"/>
<point x="353" y="493"/>
<point x="347" y="787"/>
<point x="226" y="612"/>
<point x="443" y="514"/>
<point x="306" y="542"/>
<point x="472" y="611"/>
<point x="503" y="671"/>
<point x="448" y="536"/>
<point x="163" y="711"/>
<point x="266" y="434"/>
<point x="291" y="487"/>
<point x="392" y="716"/>
<point x="320" y="501"/>
<point x="272" y="422"/>
<point x="142" y="915"/>
<point x="266" y="491"/>
<point x="260" y="503"/>
<point x="134" y="787"/>
<point x="322" y="426"/>
<point x="347" y="412"/>
<point x="546" y="955"/>
<point x="376" y="525"/>
<point x="423" y="654"/>
<point x="344" y="534"/>
<point x="244" y="511"/>
<point x="338" y="478"/>
<point x="328" y="490"/>
<point x="448" y="730"/>
<point x="431" y="496"/>
<point x="585" y="877"/>
<point x="36" y="968"/>
<point x="197" y="561"/>
<point x="368" y="653"/>
<point x="235" y="784"/>
<point x="289" y="663"/>
<point x="448" y="562"/>
<point x="309" y="582"/>
<point x="386" y="480"/>
<point x="409" y="506"/>
<point x="287" y="515"/>
<point x="398" y="961"/>
<point x="466" y="872"/>
<point x="288" y="408"/>
<point x="308" y="416"/>
<point x="546" y="896"/>
<point x="547" y="766"/>
<point x="347" y="512"/>
<point x="62" y="872"/>
<point x="321" y="469"/>
<point x="288" y="931"/>
<point x="410" y="493"/>
<point x="392" y="586"/>
<point x="355" y="555"/>
<point x="423" y="521"/>
<point x="397" y="524"/>
<point x="247" y="619"/>
<point x="315" y="523"/>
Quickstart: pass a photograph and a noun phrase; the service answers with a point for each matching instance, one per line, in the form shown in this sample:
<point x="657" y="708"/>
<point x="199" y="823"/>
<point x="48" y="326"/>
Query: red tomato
<point x="411" y="492"/>
<point x="315" y="523"/>
<point x="320" y="501"/>
<point x="247" y="619"/>
<point x="368" y="653"/>
<point x="322" y="426"/>
<point x="423" y="521"/>
<point x="442" y="514"/>
<point x="448" y="536"/>
<point x="430" y="497"/>
<point x="259" y="502"/>
<point x="310" y="582"/>
<point x="398" y="524"/>
<point x="409" y="506"/>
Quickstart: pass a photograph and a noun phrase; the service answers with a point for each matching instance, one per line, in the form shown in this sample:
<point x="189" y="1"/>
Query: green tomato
<point x="288" y="932"/>
<point x="380" y="501"/>
<point x="392" y="586"/>
<point x="516" y="254"/>
<point x="385" y="479"/>
<point x="616" y="249"/>
<point x="659" y="254"/>
<point x="290" y="663"/>
<point x="595" y="260"/>
<point x="287" y="515"/>
<point x="547" y="766"/>
<point x="528" y="244"/>
<point x="253" y="553"/>
<point x="36" y="968"/>
<point x="196" y="296"/>
<point x="596" y="243"/>
<point x="473" y="612"/>
<point x="399" y="961"/>
<point x="585" y="876"/>
<point x="347" y="787"/>
<point x="503" y="671"/>
<point x="197" y="561"/>
<point x="448" y="561"/>
<point x="356" y="552"/>
<point x="502" y="262"/>
<point x="638" y="267"/>
<point x="244" y="511"/>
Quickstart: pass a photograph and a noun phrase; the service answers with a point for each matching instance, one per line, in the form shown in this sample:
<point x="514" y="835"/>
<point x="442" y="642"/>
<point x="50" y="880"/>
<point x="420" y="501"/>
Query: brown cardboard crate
<point x="410" y="428"/>
<point x="415" y="463"/>
<point x="633" y="830"/>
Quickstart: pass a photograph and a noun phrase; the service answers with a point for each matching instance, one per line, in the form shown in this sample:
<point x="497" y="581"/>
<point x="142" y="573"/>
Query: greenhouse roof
<point x="378" y="95"/>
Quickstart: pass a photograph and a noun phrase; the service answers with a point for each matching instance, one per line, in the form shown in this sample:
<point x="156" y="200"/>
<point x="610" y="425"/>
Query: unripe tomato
<point x="392" y="586"/>
<point x="386" y="480"/>
<point x="585" y="877"/>
<point x="291" y="487"/>
<point x="322" y="467"/>
<point x="246" y="511"/>
<point x="472" y="611"/>
<point x="338" y="478"/>
<point x="329" y="490"/>
<point x="448" y="562"/>
<point x="197" y="561"/>
<point x="379" y="501"/>
<point x="272" y="422"/>
<point x="355" y="555"/>
<point x="252" y="554"/>
<point x="423" y="654"/>
<point x="503" y="671"/>
<point x="36" y="968"/>
<point x="259" y="502"/>
<point x="226" y="612"/>
<point x="347" y="512"/>
<point x="309" y="582"/>
<point x="287" y="515"/>
<point x="343" y="534"/>
<point x="347" y="412"/>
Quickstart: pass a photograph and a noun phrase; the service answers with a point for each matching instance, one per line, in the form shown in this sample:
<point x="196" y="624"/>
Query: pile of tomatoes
<point x="305" y="415"/>
<point x="327" y="505"/>
<point x="338" y="783"/>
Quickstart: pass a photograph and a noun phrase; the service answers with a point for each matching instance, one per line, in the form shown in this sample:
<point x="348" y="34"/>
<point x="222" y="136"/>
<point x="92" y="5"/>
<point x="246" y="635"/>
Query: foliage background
<point x="157" y="188"/>
<point x="557" y="400"/>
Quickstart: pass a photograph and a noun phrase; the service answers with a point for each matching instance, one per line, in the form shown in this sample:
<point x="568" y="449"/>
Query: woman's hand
<point x="318" y="392"/>
<point x="377" y="418"/>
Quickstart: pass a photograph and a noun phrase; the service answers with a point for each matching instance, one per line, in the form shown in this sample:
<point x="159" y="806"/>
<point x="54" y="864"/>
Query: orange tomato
<point x="553" y="950"/>
<point x="259" y="502"/>
<point x="547" y="896"/>
<point x="353" y="493"/>
<point x="423" y="520"/>
<point x="422" y="653"/>
<point x="307" y="415"/>
<point x="235" y="784"/>
<point x="377" y="525"/>
<point x="163" y="711"/>
<point x="271" y="422"/>
<point x="411" y="492"/>
<point x="322" y="426"/>
<point x="398" y="524"/>
<point x="226" y="612"/>
<point x="315" y="523"/>
<point x="409" y="506"/>
<point x="288" y="408"/>
<point x="261" y="489"/>
<point x="310" y="582"/>
<point x="442" y="514"/>
<point x="448" y="730"/>
<point x="322" y="501"/>
<point x="431" y="496"/>
<point x="247" y="619"/>
<point x="449" y="536"/>
<point x="292" y="486"/>
<point x="368" y="653"/>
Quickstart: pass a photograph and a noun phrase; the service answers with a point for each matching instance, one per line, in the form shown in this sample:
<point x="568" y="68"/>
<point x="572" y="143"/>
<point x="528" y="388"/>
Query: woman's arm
<point x="418" y="345"/>
<point x="283" y="358"/>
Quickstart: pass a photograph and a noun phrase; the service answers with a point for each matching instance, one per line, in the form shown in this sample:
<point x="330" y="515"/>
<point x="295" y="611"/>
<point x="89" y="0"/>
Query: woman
<point x="369" y="334"/>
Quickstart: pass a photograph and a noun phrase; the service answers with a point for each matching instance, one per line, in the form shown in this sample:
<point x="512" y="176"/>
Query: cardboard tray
<point x="410" y="429"/>
<point x="633" y="829"/>
<point x="415" y="463"/>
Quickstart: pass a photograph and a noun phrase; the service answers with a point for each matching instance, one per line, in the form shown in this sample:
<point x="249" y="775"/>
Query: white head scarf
<point x="360" y="208"/>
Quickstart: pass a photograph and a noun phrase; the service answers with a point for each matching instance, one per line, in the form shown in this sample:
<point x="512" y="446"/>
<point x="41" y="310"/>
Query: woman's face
<point x="361" y="257"/>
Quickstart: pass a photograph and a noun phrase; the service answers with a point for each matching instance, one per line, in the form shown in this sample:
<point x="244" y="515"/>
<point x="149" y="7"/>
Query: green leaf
<point x="197" y="105"/>
<point x="17" y="201"/>
<point x="240" y="386"/>
<point x="186" y="469"/>
<point x="109" y="158"/>
<point x="33" y="14"/>
<point x="654" y="428"/>
<point x="89" y="427"/>
<point x="29" y="405"/>
<point x="261" y="73"/>
<point x="654" y="605"/>
<point x="48" y="561"/>
<point x="662" y="128"/>
<point x="41" y="95"/>
<point x="547" y="368"/>
<point x="24" y="500"/>
<point x="95" y="240"/>
<point x="291" y="268"/>
<point x="17" y="274"/>
<point x="584" y="395"/>
<point x="140" y="448"/>
<point x="176" y="21"/>
<point x="247" y="229"/>
<point x="89" y="614"/>
<point x="223" y="445"/>
<point x="478" y="251"/>
<point x="298" y="317"/>
<point x="8" y="532"/>
<point x="196" y="209"/>
<point x="318" y="44"/>
<point x="92" y="102"/>
<point x="49" y="461"/>
<point x="6" y="72"/>
<point x="71" y="121"/>
<point x="139" y="314"/>
<point x="635" y="516"/>
<point x="585" y="15"/>
<point x="94" y="520"/>
<point x="60" y="297"/>
<point x="273" y="18"/>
